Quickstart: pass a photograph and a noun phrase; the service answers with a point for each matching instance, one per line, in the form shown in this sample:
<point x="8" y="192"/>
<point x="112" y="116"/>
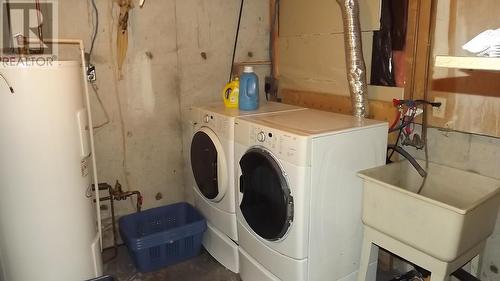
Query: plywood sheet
<point x="379" y="110"/>
<point x="382" y="93"/>
<point x="471" y="18"/>
<point x="468" y="113"/>
<point x="473" y="99"/>
<point x="316" y="63"/>
<point x="299" y="17"/>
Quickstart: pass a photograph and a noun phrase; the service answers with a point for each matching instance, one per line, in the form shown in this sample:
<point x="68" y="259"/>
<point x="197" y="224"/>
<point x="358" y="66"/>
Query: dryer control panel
<point x="223" y="126"/>
<point x="285" y="146"/>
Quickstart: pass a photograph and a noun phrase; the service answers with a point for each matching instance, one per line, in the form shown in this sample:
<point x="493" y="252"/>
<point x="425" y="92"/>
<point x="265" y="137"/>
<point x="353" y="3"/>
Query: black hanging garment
<point x="391" y="36"/>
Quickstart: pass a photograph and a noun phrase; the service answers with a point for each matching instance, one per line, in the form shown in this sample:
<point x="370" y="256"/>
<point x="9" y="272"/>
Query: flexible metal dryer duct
<point x="356" y="69"/>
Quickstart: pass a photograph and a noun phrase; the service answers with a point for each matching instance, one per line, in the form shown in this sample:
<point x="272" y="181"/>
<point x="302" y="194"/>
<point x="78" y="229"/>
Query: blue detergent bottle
<point x="249" y="90"/>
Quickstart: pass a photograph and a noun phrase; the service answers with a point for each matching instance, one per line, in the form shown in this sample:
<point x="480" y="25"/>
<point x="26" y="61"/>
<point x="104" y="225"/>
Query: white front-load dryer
<point x="299" y="199"/>
<point x="212" y="164"/>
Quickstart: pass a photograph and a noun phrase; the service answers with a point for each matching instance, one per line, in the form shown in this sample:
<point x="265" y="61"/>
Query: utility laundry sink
<point x="455" y="211"/>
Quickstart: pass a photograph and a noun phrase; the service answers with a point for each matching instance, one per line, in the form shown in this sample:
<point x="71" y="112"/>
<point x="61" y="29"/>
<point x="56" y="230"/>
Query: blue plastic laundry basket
<point x="163" y="236"/>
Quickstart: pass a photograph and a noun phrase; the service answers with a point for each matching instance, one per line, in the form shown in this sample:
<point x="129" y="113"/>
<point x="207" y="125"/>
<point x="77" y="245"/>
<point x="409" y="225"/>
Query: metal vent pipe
<point x="356" y="69"/>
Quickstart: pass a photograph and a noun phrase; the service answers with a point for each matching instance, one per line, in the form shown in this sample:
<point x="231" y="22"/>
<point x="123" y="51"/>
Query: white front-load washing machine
<point x="212" y="163"/>
<point x="299" y="215"/>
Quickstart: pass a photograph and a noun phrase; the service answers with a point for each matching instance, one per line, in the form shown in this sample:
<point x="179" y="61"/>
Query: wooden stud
<point x="418" y="39"/>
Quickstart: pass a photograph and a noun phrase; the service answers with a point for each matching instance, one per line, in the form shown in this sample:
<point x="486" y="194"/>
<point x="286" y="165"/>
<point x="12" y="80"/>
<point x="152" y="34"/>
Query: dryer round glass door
<point x="267" y="204"/>
<point x="209" y="164"/>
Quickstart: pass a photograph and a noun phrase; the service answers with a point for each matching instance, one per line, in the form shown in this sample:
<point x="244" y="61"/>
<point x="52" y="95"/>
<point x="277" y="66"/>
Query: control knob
<point x="261" y="136"/>
<point x="206" y="118"/>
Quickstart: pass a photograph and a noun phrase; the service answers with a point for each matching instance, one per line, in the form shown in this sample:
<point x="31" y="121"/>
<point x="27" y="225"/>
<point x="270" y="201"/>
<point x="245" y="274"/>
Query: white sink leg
<point x="369" y="254"/>
<point x="439" y="277"/>
<point x="440" y="270"/>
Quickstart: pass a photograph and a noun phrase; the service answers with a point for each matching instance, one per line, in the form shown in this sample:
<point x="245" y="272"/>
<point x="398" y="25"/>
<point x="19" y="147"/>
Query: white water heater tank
<point x="47" y="216"/>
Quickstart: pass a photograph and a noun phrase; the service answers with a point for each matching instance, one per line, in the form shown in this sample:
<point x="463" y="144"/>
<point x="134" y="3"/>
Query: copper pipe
<point x="117" y="194"/>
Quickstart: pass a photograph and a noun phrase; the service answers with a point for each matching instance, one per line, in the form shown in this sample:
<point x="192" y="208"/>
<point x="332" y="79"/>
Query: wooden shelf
<point x="479" y="63"/>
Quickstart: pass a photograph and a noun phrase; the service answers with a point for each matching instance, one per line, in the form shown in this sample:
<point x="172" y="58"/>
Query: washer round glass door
<point x="267" y="204"/>
<point x="209" y="164"/>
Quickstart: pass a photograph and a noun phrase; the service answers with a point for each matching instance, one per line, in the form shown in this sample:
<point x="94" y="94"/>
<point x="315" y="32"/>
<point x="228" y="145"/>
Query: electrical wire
<point x="272" y="55"/>
<point x="7" y="83"/>
<point x="96" y="28"/>
<point x="271" y="37"/>
<point x="94" y="87"/>
<point x="93" y="84"/>
<point x="236" y="41"/>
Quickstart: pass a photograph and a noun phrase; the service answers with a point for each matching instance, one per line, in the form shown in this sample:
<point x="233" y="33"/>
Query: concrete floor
<point x="202" y="268"/>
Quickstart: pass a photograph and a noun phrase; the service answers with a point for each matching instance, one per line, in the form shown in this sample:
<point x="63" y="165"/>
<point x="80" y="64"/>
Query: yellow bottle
<point x="231" y="93"/>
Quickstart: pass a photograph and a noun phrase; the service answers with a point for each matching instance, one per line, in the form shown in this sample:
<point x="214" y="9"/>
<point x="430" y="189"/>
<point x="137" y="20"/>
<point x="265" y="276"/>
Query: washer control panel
<point x="286" y="146"/>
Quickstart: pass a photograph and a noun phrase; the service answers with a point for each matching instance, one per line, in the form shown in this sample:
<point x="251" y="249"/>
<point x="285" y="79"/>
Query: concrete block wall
<point x="212" y="31"/>
<point x="164" y="73"/>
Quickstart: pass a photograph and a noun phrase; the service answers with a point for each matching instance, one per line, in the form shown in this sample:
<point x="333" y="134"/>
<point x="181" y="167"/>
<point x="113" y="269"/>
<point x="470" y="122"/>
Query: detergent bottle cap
<point x="248" y="69"/>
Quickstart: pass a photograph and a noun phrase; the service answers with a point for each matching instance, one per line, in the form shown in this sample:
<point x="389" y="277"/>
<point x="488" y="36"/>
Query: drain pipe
<point x="356" y="69"/>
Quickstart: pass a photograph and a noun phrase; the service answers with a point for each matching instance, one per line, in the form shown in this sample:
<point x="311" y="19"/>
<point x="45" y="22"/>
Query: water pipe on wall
<point x="117" y="194"/>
